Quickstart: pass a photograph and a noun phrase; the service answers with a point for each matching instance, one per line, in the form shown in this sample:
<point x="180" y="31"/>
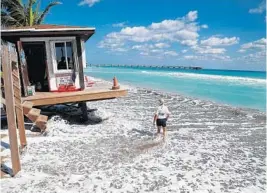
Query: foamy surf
<point x="232" y="79"/>
<point x="209" y="148"/>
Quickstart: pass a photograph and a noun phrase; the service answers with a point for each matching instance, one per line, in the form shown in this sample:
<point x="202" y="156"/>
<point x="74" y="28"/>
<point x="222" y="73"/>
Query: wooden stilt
<point x="83" y="107"/>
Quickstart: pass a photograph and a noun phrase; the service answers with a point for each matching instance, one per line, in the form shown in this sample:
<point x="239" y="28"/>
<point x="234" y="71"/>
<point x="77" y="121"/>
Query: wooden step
<point x="33" y="114"/>
<point x="41" y="122"/>
<point x="27" y="107"/>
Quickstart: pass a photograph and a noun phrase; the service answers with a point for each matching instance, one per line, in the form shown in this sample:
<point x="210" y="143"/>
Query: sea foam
<point x="232" y="79"/>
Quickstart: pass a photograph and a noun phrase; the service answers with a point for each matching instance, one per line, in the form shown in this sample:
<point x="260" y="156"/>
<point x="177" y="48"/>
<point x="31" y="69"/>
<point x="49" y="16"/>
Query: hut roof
<point x="14" y="33"/>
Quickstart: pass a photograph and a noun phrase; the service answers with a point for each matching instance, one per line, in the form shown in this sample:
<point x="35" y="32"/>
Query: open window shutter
<point x="23" y="68"/>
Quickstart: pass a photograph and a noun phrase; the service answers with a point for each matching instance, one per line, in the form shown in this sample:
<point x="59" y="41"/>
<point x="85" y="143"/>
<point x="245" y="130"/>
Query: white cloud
<point x="257" y="57"/>
<point x="207" y="57"/>
<point x="185" y="34"/>
<point x="169" y="25"/>
<point x="190" y="57"/>
<point x="120" y="49"/>
<point x="205" y="26"/>
<point x="113" y="45"/>
<point x="146" y="49"/>
<point x="189" y="42"/>
<point x="191" y="16"/>
<point x="121" y="24"/>
<point x="162" y="45"/>
<point x="260" y="9"/>
<point x="241" y="50"/>
<point x="258" y="44"/>
<point x="156" y="51"/>
<point x="170" y="53"/>
<point x="181" y="30"/>
<point x="144" y="53"/>
<point x="154" y="40"/>
<point x="216" y="41"/>
<point x="208" y="50"/>
<point x="89" y="2"/>
<point x="143" y="47"/>
<point x="221" y="57"/>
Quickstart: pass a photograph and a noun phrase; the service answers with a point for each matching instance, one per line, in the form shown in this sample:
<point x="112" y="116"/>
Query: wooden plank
<point x="18" y="104"/>
<point x="80" y="96"/>
<point x="17" y="92"/>
<point x="15" y="77"/>
<point x="10" y="111"/>
<point x="41" y="122"/>
<point x="15" y="84"/>
<point x="23" y="68"/>
<point x="17" y="101"/>
<point x="21" y="127"/>
<point x="27" y="107"/>
<point x="80" y="62"/>
<point x="42" y="118"/>
<point x="33" y="114"/>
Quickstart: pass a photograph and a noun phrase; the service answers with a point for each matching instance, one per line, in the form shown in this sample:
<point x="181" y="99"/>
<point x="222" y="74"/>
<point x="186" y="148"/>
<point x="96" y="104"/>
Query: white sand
<point x="210" y="148"/>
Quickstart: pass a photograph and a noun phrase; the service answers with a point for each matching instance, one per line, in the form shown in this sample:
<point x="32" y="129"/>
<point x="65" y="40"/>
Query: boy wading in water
<point x="161" y="117"/>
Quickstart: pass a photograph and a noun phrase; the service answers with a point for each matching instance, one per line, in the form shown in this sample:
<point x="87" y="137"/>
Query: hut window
<point x="64" y="55"/>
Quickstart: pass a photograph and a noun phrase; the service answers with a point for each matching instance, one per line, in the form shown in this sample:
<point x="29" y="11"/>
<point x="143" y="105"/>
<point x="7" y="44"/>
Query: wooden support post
<point x="80" y="62"/>
<point x="83" y="107"/>
<point x="10" y="110"/>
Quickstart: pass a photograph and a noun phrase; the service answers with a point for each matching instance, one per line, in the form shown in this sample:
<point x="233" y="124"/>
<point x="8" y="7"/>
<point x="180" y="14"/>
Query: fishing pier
<point x="149" y="66"/>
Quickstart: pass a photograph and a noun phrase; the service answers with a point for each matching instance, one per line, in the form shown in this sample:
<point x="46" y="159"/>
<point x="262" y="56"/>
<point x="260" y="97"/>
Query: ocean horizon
<point x="241" y="89"/>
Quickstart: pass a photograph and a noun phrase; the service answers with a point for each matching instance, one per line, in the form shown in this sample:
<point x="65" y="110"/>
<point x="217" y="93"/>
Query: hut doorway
<point x="36" y="63"/>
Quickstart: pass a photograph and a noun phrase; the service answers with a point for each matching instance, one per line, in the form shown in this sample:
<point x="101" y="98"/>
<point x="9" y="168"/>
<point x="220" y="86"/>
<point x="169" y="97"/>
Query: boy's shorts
<point x="161" y="122"/>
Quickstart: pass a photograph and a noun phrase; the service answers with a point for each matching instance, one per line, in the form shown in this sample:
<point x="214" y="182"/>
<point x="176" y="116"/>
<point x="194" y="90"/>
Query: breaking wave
<point x="243" y="80"/>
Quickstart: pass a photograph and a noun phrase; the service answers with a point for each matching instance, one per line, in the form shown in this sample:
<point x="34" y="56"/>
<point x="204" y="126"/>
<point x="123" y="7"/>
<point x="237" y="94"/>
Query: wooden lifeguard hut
<point x="52" y="58"/>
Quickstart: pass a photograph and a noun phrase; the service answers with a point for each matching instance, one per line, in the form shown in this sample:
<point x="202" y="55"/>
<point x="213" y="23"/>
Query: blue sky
<point x="221" y="34"/>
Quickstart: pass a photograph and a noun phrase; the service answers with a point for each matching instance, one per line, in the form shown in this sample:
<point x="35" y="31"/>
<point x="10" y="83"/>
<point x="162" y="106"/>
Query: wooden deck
<point x="97" y="92"/>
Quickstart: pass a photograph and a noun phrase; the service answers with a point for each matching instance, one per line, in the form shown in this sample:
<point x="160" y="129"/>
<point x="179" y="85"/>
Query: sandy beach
<point x="209" y="148"/>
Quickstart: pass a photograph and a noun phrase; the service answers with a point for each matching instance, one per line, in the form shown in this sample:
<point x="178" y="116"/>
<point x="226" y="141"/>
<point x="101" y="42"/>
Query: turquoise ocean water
<point x="236" y="88"/>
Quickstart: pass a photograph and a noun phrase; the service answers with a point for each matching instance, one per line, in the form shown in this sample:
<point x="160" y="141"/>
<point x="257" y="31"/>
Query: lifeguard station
<point x="52" y="58"/>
